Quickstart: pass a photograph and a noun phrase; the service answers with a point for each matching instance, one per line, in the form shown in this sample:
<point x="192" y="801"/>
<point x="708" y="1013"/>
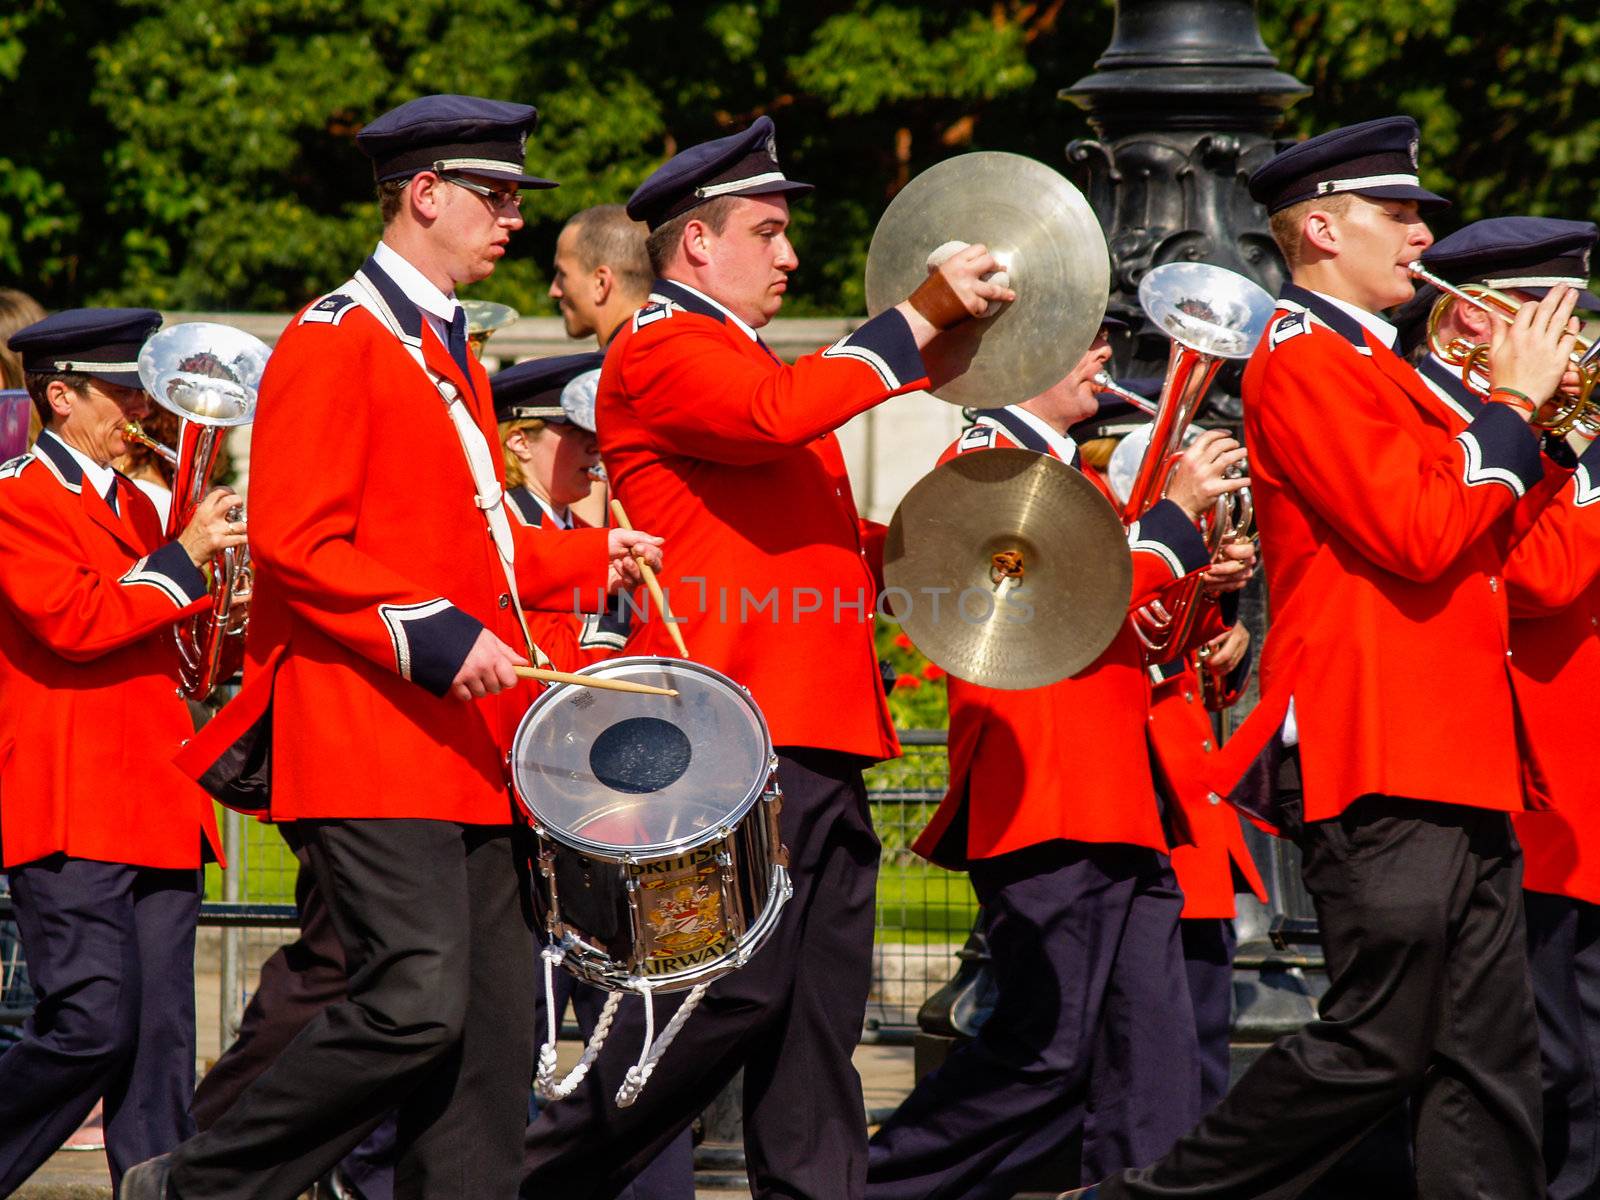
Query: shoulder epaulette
<point x="650" y="314"/>
<point x="330" y="310"/>
<point x="1287" y="326"/>
<point x="11" y="468"/>
<point x="978" y="437"/>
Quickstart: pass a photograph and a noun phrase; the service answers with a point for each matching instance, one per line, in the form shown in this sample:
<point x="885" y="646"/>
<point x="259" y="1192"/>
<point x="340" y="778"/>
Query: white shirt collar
<point x="562" y="519"/>
<point x="717" y="304"/>
<point x="1062" y="446"/>
<point x="1386" y="333"/>
<point x="417" y="287"/>
<point x="98" y="477"/>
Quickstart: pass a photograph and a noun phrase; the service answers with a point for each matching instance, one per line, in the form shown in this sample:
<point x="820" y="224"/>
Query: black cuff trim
<point x="1165" y="529"/>
<point x="885" y="344"/>
<point x="431" y="641"/>
<point x="169" y="570"/>
<point x="1586" y="478"/>
<point x="1500" y="448"/>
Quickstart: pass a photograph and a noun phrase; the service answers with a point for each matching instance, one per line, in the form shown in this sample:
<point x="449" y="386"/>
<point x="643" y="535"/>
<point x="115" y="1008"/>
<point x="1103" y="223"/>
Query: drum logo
<point x="680" y="900"/>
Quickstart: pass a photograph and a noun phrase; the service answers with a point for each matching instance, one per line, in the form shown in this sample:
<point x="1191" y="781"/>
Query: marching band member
<point x="1555" y="604"/>
<point x="602" y="272"/>
<point x="1216" y="865"/>
<point x="1390" y="633"/>
<point x="385" y="632"/>
<point x="1052" y="809"/>
<point x="729" y="452"/>
<point x="101" y="836"/>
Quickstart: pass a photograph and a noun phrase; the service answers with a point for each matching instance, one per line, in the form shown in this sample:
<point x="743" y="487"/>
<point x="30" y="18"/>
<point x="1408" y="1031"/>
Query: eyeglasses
<point x="497" y="197"/>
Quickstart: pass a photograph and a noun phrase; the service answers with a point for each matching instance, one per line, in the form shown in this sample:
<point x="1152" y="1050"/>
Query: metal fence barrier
<point x="923" y="912"/>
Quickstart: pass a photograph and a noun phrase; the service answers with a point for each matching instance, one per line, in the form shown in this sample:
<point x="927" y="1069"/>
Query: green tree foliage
<point x="201" y="153"/>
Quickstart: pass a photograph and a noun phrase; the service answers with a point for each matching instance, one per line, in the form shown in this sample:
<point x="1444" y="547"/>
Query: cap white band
<point x="1573" y="281"/>
<point x="475" y="164"/>
<point x="733" y="185"/>
<point x="96" y="366"/>
<point x="1329" y="186"/>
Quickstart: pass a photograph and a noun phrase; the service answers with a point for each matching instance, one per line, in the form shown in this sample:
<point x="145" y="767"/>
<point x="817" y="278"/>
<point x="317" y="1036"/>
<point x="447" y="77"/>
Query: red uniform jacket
<point x="375" y="572"/>
<point x="1068" y="761"/>
<point x="89" y="710"/>
<point x="718" y="446"/>
<point x="572" y="639"/>
<point x="1555" y="659"/>
<point x="1217" y="865"/>
<point x="1389" y="617"/>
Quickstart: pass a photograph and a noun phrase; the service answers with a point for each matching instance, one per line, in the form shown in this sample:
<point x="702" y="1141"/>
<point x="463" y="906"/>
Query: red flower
<point x="933" y="672"/>
<point x="907" y="683"/>
<point x="903" y="642"/>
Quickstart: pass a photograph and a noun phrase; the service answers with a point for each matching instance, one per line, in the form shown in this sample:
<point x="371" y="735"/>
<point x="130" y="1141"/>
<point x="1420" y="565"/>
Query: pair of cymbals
<point x="1008" y="568"/>
<point x="1047" y="240"/>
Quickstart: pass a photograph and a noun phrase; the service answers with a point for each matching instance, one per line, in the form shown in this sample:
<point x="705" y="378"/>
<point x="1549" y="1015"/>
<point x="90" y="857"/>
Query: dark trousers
<point x="438" y="1022"/>
<point x="670" y="1174"/>
<point x="1420" y="907"/>
<point x="1208" y="946"/>
<point x="1092" y="1032"/>
<point x="297" y="982"/>
<point x="110" y="951"/>
<point x="791" y="1018"/>
<point x="1564" y="951"/>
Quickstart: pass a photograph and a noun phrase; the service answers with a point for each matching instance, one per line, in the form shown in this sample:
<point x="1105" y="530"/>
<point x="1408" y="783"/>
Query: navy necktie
<point x="111" y="497"/>
<point x="458" y="345"/>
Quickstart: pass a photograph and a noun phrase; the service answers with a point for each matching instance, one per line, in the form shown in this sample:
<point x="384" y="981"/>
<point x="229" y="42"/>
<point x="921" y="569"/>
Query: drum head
<point x="624" y="775"/>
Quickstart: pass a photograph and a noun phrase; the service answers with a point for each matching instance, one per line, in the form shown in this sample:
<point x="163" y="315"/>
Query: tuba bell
<point x="208" y="376"/>
<point x="1211" y="314"/>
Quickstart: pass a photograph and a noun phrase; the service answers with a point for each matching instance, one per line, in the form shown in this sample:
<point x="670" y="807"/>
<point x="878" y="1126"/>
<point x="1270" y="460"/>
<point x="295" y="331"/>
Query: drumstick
<point x="591" y="681"/>
<point x="650" y="581"/>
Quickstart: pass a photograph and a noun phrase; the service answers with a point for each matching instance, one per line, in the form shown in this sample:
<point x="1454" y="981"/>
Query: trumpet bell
<point x="1047" y="240"/>
<point x="1209" y="309"/>
<point x="486" y="316"/>
<point x="1008" y="569"/>
<point x="204" y="372"/>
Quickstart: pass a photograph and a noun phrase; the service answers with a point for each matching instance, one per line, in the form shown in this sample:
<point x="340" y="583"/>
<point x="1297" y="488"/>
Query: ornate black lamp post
<point x="1184" y="102"/>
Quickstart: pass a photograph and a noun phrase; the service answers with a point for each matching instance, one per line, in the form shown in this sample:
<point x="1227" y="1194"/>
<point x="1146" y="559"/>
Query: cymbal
<point x="485" y="316"/>
<point x="1008" y="568"/>
<point x="1047" y="239"/>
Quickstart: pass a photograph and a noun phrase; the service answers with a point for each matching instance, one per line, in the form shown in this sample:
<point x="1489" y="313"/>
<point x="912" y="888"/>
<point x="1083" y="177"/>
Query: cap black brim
<point x="127" y="379"/>
<point x="775" y="188"/>
<point x="510" y="176"/>
<point x="1426" y="201"/>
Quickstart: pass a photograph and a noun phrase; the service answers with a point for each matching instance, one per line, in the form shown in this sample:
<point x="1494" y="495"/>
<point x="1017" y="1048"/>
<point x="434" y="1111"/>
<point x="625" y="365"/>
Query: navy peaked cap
<point x="559" y="389"/>
<point x="1375" y="158"/>
<point x="100" y="342"/>
<point x="464" y="134"/>
<point x="741" y="164"/>
<point x="1527" y="254"/>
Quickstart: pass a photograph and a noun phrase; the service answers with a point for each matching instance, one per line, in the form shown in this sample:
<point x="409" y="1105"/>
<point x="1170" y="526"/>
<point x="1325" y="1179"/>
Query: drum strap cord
<point x="551" y="1088"/>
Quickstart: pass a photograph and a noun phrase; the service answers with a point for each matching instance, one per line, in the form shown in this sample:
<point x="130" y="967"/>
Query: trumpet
<point x="1562" y="413"/>
<point x="1211" y="314"/>
<point x="208" y="375"/>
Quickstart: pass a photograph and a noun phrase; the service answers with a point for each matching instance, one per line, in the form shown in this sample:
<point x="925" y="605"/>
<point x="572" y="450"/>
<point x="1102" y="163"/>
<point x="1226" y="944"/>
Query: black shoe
<point x="1091" y="1192"/>
<point x="147" y="1180"/>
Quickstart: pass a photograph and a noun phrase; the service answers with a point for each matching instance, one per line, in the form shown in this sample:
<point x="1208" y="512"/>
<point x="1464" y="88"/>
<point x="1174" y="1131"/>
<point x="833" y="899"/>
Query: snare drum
<point x="659" y="859"/>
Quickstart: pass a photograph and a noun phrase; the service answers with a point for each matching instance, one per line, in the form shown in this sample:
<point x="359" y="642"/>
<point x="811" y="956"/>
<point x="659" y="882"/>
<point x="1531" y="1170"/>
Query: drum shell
<point x="615" y="920"/>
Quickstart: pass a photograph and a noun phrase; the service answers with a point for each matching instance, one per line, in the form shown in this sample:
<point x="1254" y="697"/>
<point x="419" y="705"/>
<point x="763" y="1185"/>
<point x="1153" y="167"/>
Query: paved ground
<point x="81" y="1174"/>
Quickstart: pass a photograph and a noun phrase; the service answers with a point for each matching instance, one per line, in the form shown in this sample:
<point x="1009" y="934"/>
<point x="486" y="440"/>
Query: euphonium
<point x="1211" y="314"/>
<point x="208" y="375"/>
<point x="1561" y="414"/>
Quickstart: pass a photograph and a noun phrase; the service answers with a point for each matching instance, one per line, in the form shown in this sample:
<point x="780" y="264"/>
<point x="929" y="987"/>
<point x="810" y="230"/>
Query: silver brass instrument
<point x="208" y="375"/>
<point x="1046" y="239"/>
<point x="1105" y="383"/>
<point x="1211" y="314"/>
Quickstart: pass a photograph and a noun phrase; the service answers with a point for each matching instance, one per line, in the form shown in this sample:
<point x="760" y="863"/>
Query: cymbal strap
<point x="938" y="303"/>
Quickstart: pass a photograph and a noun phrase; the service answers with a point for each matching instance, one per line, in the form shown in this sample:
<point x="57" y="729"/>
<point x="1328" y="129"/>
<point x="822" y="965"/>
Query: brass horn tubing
<point x="1144" y="404"/>
<point x="1189" y="374"/>
<point x="191" y="476"/>
<point x="132" y="431"/>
